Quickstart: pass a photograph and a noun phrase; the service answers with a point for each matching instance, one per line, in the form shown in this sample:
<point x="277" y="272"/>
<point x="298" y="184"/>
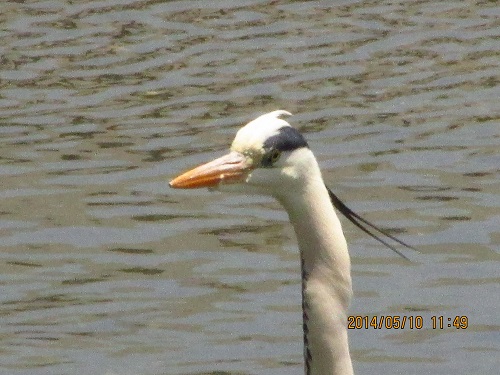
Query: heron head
<point x="267" y="156"/>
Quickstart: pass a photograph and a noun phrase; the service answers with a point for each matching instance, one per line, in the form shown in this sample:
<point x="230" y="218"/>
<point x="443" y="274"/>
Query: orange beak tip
<point x="226" y="169"/>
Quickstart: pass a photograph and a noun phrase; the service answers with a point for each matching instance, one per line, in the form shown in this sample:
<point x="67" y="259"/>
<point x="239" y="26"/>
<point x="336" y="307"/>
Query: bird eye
<point x="275" y="155"/>
<point x="270" y="158"/>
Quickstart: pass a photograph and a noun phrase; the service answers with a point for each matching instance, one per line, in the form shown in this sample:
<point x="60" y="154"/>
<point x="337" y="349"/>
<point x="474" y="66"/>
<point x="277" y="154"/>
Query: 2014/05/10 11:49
<point x="404" y="321"/>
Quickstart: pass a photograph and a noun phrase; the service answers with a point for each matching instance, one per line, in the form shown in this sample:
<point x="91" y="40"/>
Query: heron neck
<point x="326" y="280"/>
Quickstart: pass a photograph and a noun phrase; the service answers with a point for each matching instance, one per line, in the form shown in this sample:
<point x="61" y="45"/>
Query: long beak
<point x="229" y="168"/>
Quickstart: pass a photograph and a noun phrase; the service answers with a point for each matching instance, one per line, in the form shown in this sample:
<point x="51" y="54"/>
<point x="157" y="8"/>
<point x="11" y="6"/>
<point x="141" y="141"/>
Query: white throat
<point x="326" y="278"/>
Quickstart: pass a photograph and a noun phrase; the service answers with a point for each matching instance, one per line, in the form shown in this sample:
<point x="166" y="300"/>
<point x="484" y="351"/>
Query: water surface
<point x="105" y="270"/>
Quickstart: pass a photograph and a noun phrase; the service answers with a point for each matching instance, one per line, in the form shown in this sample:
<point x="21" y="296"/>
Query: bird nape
<point x="270" y="157"/>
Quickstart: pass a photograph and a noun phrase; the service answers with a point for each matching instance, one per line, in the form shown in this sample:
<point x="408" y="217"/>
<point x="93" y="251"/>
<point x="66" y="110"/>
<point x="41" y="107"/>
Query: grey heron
<point x="270" y="157"/>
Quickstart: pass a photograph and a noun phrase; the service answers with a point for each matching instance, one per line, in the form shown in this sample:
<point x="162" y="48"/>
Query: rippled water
<point x="105" y="270"/>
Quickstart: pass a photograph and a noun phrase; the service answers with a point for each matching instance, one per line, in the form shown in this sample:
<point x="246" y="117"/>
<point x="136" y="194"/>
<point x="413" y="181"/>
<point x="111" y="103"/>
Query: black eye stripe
<point x="287" y="139"/>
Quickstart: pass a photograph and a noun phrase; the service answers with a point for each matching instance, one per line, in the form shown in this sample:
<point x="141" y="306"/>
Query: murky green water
<point x="105" y="270"/>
